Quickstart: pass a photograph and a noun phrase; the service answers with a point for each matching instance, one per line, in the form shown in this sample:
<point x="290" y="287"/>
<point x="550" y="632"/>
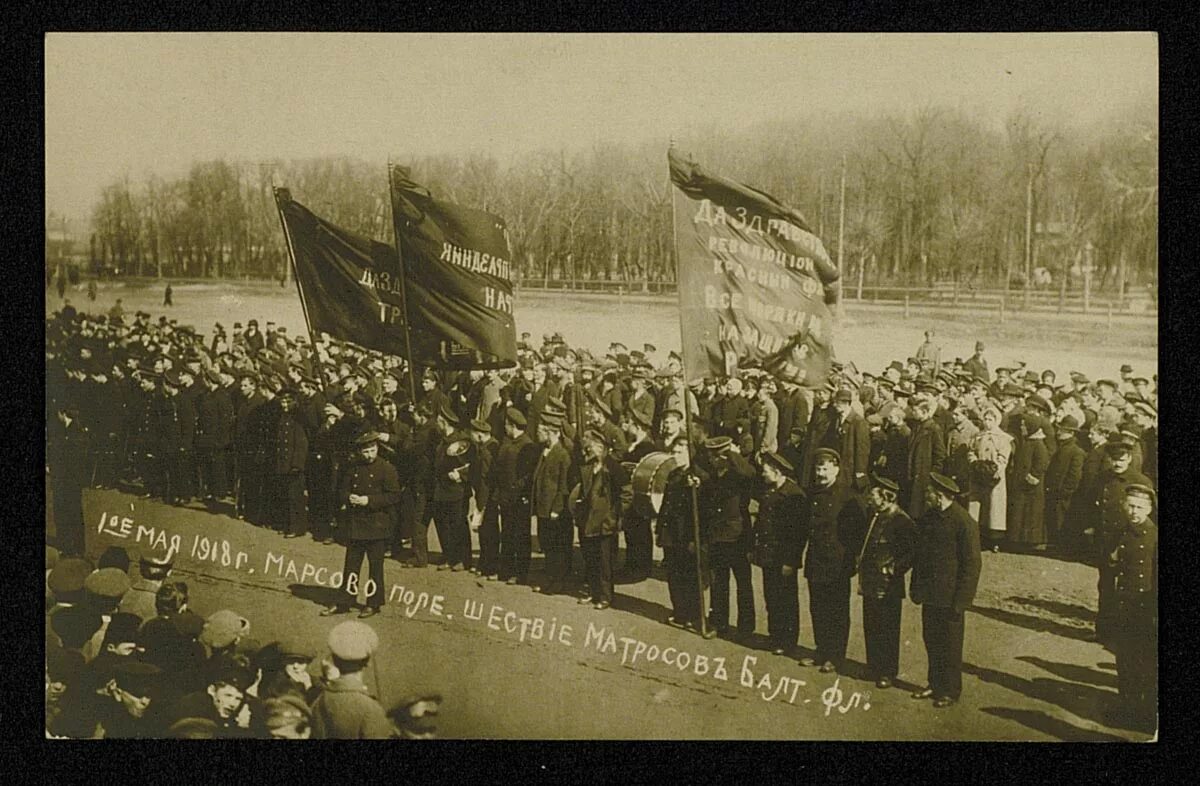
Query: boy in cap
<point x="596" y="508"/>
<point x="1105" y="519"/>
<point x="945" y="578"/>
<point x="550" y="487"/>
<point x="1134" y="563"/>
<point x="346" y="710"/>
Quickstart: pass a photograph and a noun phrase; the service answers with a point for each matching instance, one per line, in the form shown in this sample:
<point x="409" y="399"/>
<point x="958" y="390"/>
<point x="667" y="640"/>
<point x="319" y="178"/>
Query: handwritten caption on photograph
<point x="631" y="651"/>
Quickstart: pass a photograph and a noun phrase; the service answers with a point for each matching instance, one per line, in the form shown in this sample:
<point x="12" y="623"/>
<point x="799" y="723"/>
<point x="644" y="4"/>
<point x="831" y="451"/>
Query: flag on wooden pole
<point x="755" y="284"/>
<point x="457" y="267"/>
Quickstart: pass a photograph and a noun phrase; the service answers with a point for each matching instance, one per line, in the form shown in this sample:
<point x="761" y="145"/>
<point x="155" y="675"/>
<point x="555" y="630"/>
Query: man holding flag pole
<point x="755" y="289"/>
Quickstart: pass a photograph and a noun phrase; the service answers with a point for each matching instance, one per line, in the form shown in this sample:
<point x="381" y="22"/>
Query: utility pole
<point x="1028" y="231"/>
<point x="841" y="235"/>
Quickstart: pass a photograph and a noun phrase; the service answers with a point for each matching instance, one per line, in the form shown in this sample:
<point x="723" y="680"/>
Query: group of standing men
<point x="877" y="476"/>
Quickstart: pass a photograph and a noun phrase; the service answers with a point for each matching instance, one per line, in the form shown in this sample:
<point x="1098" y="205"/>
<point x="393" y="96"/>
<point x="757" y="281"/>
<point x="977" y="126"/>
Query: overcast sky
<point x="142" y="103"/>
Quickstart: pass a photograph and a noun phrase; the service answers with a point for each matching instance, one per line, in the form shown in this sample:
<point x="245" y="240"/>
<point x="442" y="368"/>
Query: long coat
<point x="854" y="447"/>
<point x="991" y="507"/>
<point x="214" y="420"/>
<point x="596" y="501"/>
<point x="345" y="710"/>
<point x="833" y="525"/>
<point x="926" y="454"/>
<point x="887" y="554"/>
<point x="1026" y="499"/>
<point x="1063" y="476"/>
<point x="550" y="483"/>
<point x="377" y="481"/>
<point x="947" y="562"/>
<point x="778" y="538"/>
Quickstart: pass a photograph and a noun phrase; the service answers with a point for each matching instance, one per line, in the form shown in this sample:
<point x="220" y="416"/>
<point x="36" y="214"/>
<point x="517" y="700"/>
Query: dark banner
<point x="755" y="283"/>
<point x="350" y="285"/>
<point x="458" y="270"/>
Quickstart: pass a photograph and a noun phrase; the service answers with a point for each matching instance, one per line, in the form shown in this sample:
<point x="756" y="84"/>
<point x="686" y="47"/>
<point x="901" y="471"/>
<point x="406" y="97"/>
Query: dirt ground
<point x="870" y="336"/>
<point x="514" y="664"/>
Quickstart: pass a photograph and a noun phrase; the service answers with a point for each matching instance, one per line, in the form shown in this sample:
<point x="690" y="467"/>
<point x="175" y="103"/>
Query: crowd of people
<point x="914" y="471"/>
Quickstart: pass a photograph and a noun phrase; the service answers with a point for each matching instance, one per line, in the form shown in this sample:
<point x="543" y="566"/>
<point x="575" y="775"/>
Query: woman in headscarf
<point x="989" y="453"/>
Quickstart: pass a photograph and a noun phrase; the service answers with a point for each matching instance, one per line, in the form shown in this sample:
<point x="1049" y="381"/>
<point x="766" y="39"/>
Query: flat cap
<point x="136" y="676"/>
<point x="778" y="461"/>
<point x="75" y="625"/>
<point x="1118" y="446"/>
<point x="843" y="394"/>
<point x="552" y="419"/>
<point x="885" y="483"/>
<point x="110" y="583"/>
<point x="366" y="438"/>
<point x="718" y="444"/>
<point x="68" y="576"/>
<point x="1038" y="403"/>
<point x="1068" y="423"/>
<point x="481" y="426"/>
<point x="293" y="646"/>
<point x="514" y="416"/>
<point x="122" y="627"/>
<point x="597" y="436"/>
<point x="223" y="628"/>
<point x="944" y="484"/>
<point x="447" y="414"/>
<point x="353" y="640"/>
<point x="826" y="454"/>
<point x="64" y="665"/>
<point x="1140" y="490"/>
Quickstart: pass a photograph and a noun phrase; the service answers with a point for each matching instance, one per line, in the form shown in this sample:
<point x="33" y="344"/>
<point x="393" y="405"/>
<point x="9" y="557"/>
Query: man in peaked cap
<point x="1063" y="476"/>
<point x="368" y="493"/>
<point x="778" y="542"/>
<point x="511" y="483"/>
<point x="346" y="709"/>
<point x="885" y="557"/>
<point x="945" y="578"/>
<point x="834" y="521"/>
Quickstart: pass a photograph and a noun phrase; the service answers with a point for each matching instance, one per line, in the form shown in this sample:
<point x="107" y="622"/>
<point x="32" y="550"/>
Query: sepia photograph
<point x="604" y="386"/>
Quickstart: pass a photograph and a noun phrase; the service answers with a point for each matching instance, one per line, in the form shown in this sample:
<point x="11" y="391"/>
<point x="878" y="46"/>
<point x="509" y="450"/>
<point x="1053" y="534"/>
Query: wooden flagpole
<point x="287" y="236"/>
<point x="411" y="361"/>
<point x="687" y="418"/>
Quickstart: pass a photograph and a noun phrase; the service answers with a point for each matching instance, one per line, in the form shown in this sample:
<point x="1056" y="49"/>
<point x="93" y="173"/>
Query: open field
<point x="870" y="336"/>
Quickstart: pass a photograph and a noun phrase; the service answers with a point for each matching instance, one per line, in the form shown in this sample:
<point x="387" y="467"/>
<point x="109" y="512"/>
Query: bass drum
<point x="649" y="482"/>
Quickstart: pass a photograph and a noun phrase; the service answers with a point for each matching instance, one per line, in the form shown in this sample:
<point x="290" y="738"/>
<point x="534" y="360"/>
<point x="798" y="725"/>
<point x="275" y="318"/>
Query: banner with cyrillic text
<point x="755" y="284"/>
<point x="457" y="266"/>
<point x="350" y="284"/>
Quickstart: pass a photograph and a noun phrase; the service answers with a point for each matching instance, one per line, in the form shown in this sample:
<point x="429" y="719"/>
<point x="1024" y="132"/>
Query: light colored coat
<point x="992" y="511"/>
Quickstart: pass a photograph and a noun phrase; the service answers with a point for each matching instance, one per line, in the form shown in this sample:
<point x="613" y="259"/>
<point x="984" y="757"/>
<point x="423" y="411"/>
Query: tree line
<point x="936" y="194"/>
